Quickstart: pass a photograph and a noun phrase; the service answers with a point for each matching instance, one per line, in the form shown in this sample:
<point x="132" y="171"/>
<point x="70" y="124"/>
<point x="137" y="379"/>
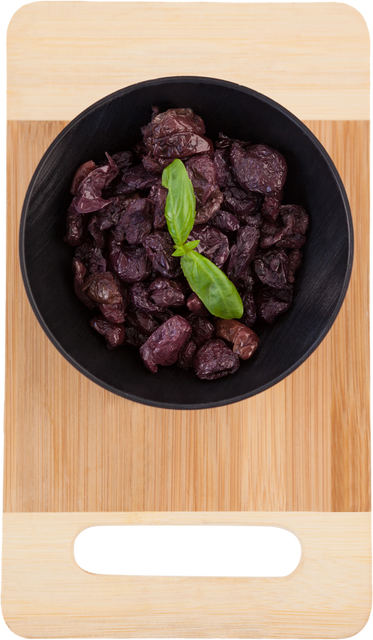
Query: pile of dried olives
<point x="183" y="246"/>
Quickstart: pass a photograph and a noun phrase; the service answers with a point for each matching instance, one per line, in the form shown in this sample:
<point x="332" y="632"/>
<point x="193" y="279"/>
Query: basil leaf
<point x="188" y="246"/>
<point x="180" y="210"/>
<point x="179" y="251"/>
<point x="212" y="286"/>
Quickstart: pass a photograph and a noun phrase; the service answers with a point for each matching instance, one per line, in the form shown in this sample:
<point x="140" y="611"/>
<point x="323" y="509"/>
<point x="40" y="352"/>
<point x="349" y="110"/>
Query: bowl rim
<point x="107" y="100"/>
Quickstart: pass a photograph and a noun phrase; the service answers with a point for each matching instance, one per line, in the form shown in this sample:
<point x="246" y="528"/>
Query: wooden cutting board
<point x="295" y="456"/>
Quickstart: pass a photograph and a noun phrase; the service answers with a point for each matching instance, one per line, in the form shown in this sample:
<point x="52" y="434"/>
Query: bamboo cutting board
<point x="295" y="456"/>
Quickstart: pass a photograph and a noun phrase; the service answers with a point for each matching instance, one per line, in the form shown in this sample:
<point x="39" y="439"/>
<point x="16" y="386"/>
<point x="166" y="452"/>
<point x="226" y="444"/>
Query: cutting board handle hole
<point x="188" y="550"/>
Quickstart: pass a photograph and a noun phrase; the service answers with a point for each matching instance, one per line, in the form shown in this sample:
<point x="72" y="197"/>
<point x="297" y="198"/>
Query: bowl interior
<point x="112" y="125"/>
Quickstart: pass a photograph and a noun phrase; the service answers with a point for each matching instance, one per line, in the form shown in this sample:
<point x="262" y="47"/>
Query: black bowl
<point x="113" y="124"/>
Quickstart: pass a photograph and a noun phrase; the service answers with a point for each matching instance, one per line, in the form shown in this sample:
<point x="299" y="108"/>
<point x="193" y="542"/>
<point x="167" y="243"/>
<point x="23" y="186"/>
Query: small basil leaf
<point x="188" y="246"/>
<point x="179" y="251"/>
<point x="180" y="209"/>
<point x="212" y="286"/>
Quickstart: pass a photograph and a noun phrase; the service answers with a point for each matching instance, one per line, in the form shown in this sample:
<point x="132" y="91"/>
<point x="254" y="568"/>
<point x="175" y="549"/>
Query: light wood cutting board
<point x="295" y="456"/>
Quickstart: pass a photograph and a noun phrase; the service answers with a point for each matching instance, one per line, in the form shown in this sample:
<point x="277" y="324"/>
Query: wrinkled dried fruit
<point x="243" y="252"/>
<point x="163" y="346"/>
<point x="272" y="267"/>
<point x="113" y="312"/>
<point x="172" y="121"/>
<point x="249" y="305"/>
<point x="240" y="203"/>
<point x="133" y="338"/>
<point x="140" y="297"/>
<point x="76" y="225"/>
<point x="157" y="198"/>
<point x="102" y="288"/>
<point x="124" y="159"/>
<point x="196" y="306"/>
<point x="113" y="333"/>
<point x="137" y="178"/>
<point x="166" y="293"/>
<point x="91" y="256"/>
<point x="258" y="168"/>
<point x="89" y="191"/>
<point x="271" y="205"/>
<point x="159" y="249"/>
<point x="272" y="302"/>
<point x="213" y="244"/>
<point x="143" y="322"/>
<point x="223" y="173"/>
<point x="206" y="211"/>
<point x="214" y="360"/>
<point x="225" y="221"/>
<point x="80" y="273"/>
<point x="201" y="172"/>
<point x="136" y="221"/>
<point x="80" y="174"/>
<point x="131" y="263"/>
<point x="186" y="354"/>
<point x="245" y="341"/>
<point x="202" y="329"/>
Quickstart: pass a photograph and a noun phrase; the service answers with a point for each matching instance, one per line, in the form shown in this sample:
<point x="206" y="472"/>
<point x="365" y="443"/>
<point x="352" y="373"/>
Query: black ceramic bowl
<point x="113" y="124"/>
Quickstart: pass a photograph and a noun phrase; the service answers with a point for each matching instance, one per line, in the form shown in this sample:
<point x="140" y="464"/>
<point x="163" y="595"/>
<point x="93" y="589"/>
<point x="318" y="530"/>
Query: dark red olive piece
<point x="186" y="354"/>
<point x="102" y="288"/>
<point x="213" y="244"/>
<point x="80" y="272"/>
<point x="143" y="322"/>
<point x="249" y="305"/>
<point x="196" y="306"/>
<point x="243" y="252"/>
<point x="166" y="293"/>
<point x="245" y="340"/>
<point x="272" y="302"/>
<point x="140" y="297"/>
<point x="89" y="192"/>
<point x="113" y="312"/>
<point x="214" y="360"/>
<point x="272" y="267"/>
<point x="202" y="329"/>
<point x="223" y="173"/>
<point x="130" y="263"/>
<point x="159" y="249"/>
<point x="133" y="338"/>
<point x="157" y="198"/>
<point x="225" y="221"/>
<point x="240" y="203"/>
<point x="113" y="333"/>
<point x="172" y="121"/>
<point x="80" y="174"/>
<point x="206" y="211"/>
<point x="258" y="168"/>
<point x="271" y="204"/>
<point x="137" y="178"/>
<point x="91" y="256"/>
<point x="136" y="221"/>
<point x="163" y="346"/>
<point x="201" y="172"/>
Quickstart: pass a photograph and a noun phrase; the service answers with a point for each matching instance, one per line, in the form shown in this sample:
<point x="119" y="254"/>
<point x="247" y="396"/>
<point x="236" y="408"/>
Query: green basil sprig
<point x="217" y="292"/>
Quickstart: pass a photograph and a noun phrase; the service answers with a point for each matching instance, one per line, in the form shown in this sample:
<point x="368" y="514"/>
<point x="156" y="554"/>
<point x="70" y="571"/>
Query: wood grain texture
<point x="312" y="58"/>
<point x="46" y="594"/>
<point x="301" y="446"/>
